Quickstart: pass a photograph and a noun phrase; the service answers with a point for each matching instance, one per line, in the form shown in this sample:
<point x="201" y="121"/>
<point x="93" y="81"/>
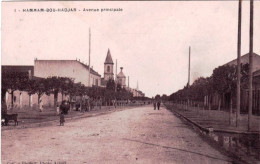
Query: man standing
<point x="40" y="104"/>
<point x="158" y="105"/>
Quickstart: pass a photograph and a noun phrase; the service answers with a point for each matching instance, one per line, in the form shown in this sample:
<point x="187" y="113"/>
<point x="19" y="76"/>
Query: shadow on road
<point x="183" y="150"/>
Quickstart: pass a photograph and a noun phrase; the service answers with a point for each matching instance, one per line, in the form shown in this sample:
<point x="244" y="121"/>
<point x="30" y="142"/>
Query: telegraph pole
<point x="238" y="61"/>
<point x="188" y="76"/>
<point x="89" y="57"/>
<point x="250" y="65"/>
<point x="116" y="77"/>
<point x="128" y="82"/>
<point x="189" y="69"/>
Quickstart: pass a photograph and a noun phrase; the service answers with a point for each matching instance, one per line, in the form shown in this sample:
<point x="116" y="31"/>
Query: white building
<point x="67" y="68"/>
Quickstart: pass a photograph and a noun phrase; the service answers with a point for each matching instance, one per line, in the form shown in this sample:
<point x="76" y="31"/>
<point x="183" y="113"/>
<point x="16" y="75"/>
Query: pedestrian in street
<point x="154" y="105"/>
<point x="58" y="109"/>
<point x="40" y="105"/>
<point x="158" y="105"/>
<point x="62" y="118"/>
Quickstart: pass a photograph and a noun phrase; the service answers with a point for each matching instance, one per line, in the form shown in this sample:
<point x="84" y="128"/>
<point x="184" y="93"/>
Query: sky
<point x="150" y="40"/>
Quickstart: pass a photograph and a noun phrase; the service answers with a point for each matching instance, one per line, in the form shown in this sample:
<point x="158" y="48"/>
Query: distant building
<point x="245" y="60"/>
<point x="74" y="69"/>
<point x="27" y="70"/>
<point x="22" y="99"/>
<point x="121" y="79"/>
<point x="108" y="67"/>
<point x="67" y="68"/>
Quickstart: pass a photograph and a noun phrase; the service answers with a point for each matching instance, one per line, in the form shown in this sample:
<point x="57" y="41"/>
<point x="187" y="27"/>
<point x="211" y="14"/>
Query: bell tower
<point x="108" y="67"/>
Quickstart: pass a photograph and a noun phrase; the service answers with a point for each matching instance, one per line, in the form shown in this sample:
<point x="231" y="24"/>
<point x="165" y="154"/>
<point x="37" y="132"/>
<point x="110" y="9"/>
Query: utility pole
<point x="128" y="82"/>
<point x="238" y="61"/>
<point x="250" y="65"/>
<point x="188" y="76"/>
<point x="116" y="77"/>
<point x="189" y="69"/>
<point x="89" y="57"/>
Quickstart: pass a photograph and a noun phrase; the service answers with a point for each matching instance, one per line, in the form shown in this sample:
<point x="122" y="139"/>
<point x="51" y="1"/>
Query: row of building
<point x="74" y="69"/>
<point x="226" y="98"/>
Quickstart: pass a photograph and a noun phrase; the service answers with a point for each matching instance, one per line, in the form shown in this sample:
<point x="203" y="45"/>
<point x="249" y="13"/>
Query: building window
<point x="108" y="68"/>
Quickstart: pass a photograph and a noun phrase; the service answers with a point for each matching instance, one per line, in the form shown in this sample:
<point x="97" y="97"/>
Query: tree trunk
<point x="12" y="99"/>
<point x="30" y="100"/>
<point x="209" y="102"/>
<point x="3" y="94"/>
<point x="61" y="95"/>
<point x="55" y="98"/>
<point x="20" y="100"/>
<point x="219" y="103"/>
<point x="230" y="110"/>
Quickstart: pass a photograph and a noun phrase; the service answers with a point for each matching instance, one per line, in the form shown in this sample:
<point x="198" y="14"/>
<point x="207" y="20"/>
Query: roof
<point x="245" y="60"/>
<point x="18" y="68"/>
<point x="92" y="71"/>
<point x="109" y="58"/>
<point x="121" y="74"/>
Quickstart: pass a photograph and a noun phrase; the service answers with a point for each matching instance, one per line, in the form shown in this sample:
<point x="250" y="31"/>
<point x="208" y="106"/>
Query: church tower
<point x="108" y="67"/>
<point x="121" y="78"/>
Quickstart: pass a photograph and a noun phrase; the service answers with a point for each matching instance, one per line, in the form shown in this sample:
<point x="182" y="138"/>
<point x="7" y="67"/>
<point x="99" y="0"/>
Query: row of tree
<point x="13" y="81"/>
<point x="222" y="81"/>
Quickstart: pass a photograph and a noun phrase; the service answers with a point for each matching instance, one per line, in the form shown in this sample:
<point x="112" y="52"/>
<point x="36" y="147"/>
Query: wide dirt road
<point x="138" y="135"/>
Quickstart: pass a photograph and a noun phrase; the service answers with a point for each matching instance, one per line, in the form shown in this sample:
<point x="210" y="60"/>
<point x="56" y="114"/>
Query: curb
<point x="53" y="122"/>
<point x="232" y="155"/>
<point x="215" y="130"/>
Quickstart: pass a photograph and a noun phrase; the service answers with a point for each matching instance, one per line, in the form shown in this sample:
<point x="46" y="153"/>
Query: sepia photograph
<point x="149" y="82"/>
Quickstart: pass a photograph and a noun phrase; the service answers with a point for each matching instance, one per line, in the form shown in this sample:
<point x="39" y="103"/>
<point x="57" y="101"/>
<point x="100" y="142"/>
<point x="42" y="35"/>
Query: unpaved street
<point x="138" y="135"/>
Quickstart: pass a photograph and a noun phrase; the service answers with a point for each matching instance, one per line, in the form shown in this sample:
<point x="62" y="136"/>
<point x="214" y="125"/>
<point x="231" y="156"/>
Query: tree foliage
<point x="223" y="80"/>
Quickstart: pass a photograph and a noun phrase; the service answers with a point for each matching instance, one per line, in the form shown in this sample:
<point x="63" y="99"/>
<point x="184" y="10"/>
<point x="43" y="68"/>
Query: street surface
<point x="138" y="135"/>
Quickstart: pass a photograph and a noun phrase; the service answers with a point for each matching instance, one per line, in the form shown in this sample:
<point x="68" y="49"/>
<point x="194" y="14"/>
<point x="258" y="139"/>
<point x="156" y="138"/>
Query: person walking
<point x="40" y="104"/>
<point x="62" y="118"/>
<point x="58" y="109"/>
<point x="158" y="105"/>
<point x="154" y="105"/>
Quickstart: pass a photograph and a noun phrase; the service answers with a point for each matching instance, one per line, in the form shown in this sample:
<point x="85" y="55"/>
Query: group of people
<point x="157" y="105"/>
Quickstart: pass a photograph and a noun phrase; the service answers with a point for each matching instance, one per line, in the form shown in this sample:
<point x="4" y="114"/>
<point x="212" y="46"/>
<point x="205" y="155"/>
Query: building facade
<point x="67" y="68"/>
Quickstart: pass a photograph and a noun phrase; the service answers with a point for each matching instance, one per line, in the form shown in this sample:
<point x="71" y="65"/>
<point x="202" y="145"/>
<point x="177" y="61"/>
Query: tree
<point x="110" y="84"/>
<point x="56" y="84"/>
<point x="41" y="87"/>
<point x="165" y="97"/>
<point x="12" y="81"/>
<point x="157" y="97"/>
